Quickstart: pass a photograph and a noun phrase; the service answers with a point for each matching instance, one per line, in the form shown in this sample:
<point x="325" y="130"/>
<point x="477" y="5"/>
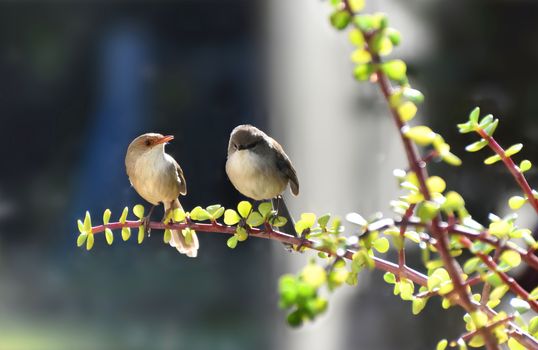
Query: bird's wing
<point x="283" y="163"/>
<point x="182" y="182"/>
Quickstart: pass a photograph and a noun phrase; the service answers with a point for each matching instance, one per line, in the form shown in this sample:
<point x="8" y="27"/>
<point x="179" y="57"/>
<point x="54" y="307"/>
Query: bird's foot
<point x="146" y="221"/>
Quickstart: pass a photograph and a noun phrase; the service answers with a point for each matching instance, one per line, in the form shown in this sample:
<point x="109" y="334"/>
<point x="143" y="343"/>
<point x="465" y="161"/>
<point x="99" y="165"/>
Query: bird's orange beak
<point x="165" y="139"/>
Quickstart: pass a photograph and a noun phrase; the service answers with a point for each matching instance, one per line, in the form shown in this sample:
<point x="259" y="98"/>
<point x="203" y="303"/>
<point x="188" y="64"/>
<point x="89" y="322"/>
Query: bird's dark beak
<point x="165" y="139"/>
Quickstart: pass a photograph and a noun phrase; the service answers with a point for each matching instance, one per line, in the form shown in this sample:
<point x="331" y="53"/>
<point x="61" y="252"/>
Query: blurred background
<point x="81" y="79"/>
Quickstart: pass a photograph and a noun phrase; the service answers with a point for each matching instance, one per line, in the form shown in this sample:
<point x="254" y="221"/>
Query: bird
<point x="158" y="178"/>
<point x="258" y="167"/>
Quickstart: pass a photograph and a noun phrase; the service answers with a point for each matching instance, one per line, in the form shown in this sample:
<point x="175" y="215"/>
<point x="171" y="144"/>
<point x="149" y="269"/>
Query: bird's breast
<point x="255" y="176"/>
<point x="155" y="179"/>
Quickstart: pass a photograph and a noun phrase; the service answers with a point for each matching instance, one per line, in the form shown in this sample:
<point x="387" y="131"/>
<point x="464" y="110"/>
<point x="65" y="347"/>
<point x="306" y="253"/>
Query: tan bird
<point x="158" y="178"/>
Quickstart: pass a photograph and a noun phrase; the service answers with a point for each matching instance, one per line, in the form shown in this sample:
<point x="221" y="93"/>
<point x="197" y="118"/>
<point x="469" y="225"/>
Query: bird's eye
<point x="235" y="146"/>
<point x="148" y="143"/>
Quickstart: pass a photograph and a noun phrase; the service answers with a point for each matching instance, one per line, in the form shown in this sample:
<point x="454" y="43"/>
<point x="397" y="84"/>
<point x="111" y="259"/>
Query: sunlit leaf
<point x="138" y="211"/>
<point x="422" y="135"/>
<point x="516" y="202"/>
<point x="109" y="236"/>
<point x="244" y="208"/>
<point x="106" y="216"/>
<point x="231" y="217"/>
<point x="89" y="242"/>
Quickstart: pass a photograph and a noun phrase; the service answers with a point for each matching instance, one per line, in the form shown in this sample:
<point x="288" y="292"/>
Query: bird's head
<point x="245" y="137"/>
<point x="150" y="142"/>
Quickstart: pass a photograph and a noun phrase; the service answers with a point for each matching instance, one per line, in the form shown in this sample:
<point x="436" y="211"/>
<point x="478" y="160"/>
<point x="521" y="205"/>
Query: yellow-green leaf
<point x="124" y="214"/>
<point x="511" y="258"/>
<point x="87" y="223"/>
<point x="515" y="345"/>
<point x="232" y="242"/>
<point x="199" y="214"/>
<point x="89" y="242"/>
<point x="442" y="345"/>
<point x="516" y="202"/>
<point x="356" y="38"/>
<point x="513" y="149"/>
<point x="361" y="56"/>
<point x="138" y="211"/>
<point x="178" y="215"/>
<point x="407" y="111"/>
<point x="381" y="244"/>
<point x="395" y="69"/>
<point x="265" y="208"/>
<point x="436" y="184"/>
<point x="356" y="5"/>
<point x="106" y="216"/>
<point x="525" y="165"/>
<point x="231" y="217"/>
<point x="255" y="219"/>
<point x="80" y="226"/>
<point x="109" y="236"/>
<point x="141" y="234"/>
<point x="476" y="146"/>
<point x="422" y="135"/>
<point x="314" y="275"/>
<point x="125" y="233"/>
<point x="244" y="208"/>
<point x="167" y="236"/>
<point x="493" y="159"/>
<point x="81" y="239"/>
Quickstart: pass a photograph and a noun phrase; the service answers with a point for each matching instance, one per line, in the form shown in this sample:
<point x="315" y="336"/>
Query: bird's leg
<point x="146" y="220"/>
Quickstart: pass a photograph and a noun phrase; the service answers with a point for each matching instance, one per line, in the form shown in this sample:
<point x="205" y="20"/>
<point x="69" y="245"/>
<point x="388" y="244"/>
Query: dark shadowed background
<point x="82" y="79"/>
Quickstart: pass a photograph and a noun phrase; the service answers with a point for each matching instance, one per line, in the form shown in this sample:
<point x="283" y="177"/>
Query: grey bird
<point x="259" y="168"/>
<point x="158" y="178"/>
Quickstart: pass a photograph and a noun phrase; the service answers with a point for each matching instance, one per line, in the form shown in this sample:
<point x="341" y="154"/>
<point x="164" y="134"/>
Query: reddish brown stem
<point x="509" y="281"/>
<point x="403" y="228"/>
<point x="512" y="167"/>
<point x="267" y="233"/>
<point x="470" y="335"/>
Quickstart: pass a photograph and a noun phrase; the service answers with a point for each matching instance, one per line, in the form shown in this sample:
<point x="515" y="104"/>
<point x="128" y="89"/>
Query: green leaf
<point x="188" y="233"/>
<point x="340" y="19"/>
<point x="362" y="72"/>
<point x="125" y="233"/>
<point x="141" y="234"/>
<point x="241" y="234"/>
<point x="394" y="36"/>
<point x="436" y="184"/>
<point x="324" y="220"/>
<point x="381" y="44"/>
<point x="490" y="129"/>
<point x="167" y="236"/>
<point x="511" y="258"/>
<point x="516" y="202"/>
<point x="513" y="149"/>
<point x="395" y="69"/>
<point x="231" y="217"/>
<point x="138" y="211"/>
<point x="525" y="165"/>
<point x="215" y="210"/>
<point x="427" y="210"/>
<point x="279" y="221"/>
<point x="364" y="22"/>
<point x="124" y="214"/>
<point x="255" y="219"/>
<point x="465" y="128"/>
<point x="295" y="319"/>
<point x="389" y="277"/>
<point x="487" y="120"/>
<point x="81" y="239"/>
<point x="265" y="209"/>
<point x="474" y="115"/>
<point x="89" y="242"/>
<point x="199" y="214"/>
<point x="232" y="242"/>
<point x="244" y="208"/>
<point x="106" y="216"/>
<point x="493" y="159"/>
<point x="453" y="201"/>
<point x="476" y="146"/>
<point x="520" y="305"/>
<point x="413" y="95"/>
<point x="381" y="245"/>
<point x="422" y="135"/>
<point x="109" y="236"/>
<point x="87" y="223"/>
<point x="471" y="265"/>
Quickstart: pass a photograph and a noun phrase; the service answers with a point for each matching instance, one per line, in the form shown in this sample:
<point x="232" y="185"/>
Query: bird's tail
<point x="280" y="206"/>
<point x="178" y="240"/>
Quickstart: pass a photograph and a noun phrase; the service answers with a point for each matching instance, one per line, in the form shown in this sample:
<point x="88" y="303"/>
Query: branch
<point x="267" y="233"/>
<point x="512" y="167"/>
